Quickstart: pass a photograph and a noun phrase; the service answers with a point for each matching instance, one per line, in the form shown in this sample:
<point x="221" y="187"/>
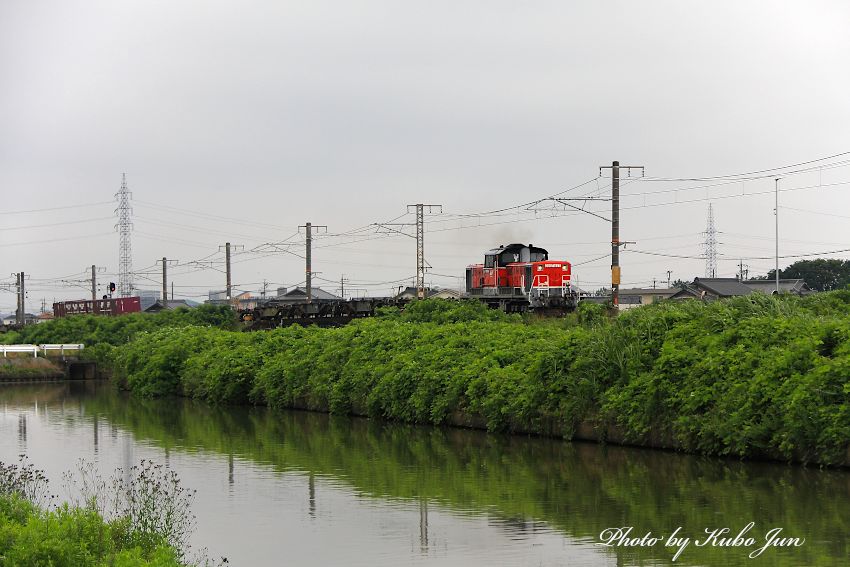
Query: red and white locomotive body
<point x="517" y="277"/>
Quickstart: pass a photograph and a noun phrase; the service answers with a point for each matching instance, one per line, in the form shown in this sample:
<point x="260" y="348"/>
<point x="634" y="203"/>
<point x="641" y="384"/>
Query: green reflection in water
<point x="577" y="489"/>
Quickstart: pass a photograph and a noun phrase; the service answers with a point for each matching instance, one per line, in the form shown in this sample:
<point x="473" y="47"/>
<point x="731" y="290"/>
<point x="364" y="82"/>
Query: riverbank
<point x="756" y="377"/>
<point x="752" y="377"/>
<point x="28" y="368"/>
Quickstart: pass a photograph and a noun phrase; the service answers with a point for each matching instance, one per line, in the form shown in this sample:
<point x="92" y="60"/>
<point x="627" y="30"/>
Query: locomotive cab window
<point x="506" y="258"/>
<point x="489" y="260"/>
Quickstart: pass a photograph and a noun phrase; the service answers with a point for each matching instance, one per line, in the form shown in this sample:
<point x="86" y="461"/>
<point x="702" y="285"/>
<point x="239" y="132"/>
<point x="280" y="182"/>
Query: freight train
<point x="514" y="278"/>
<point x="517" y="278"/>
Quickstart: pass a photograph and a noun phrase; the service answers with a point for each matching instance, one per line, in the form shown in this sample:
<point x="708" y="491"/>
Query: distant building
<point x="713" y="288"/>
<point x="719" y="288"/>
<point x="244" y="300"/>
<point x="217" y="296"/>
<point x="636" y="296"/>
<point x="437" y="293"/>
<point x="147" y="297"/>
<point x="795" y="286"/>
<point x="170" y="304"/>
<point x="11" y="319"/>
<point x="299" y="295"/>
<point x="44" y="316"/>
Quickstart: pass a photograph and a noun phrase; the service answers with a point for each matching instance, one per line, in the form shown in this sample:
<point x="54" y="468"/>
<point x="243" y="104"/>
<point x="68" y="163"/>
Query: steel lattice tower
<point x="125" y="249"/>
<point x="420" y="245"/>
<point x="710" y="245"/>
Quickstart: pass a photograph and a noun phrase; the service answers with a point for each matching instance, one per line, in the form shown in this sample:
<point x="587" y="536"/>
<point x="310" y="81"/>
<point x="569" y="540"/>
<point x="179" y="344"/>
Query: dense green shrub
<point x="94" y="330"/>
<point x="150" y="528"/>
<point x="751" y="376"/>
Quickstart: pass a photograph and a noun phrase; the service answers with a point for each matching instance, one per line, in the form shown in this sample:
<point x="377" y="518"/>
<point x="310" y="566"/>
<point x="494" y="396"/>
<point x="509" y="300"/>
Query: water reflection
<point x="522" y="500"/>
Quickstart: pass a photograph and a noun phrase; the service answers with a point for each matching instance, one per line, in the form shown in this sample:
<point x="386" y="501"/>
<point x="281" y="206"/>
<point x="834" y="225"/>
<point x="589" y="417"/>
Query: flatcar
<point x="518" y="278"/>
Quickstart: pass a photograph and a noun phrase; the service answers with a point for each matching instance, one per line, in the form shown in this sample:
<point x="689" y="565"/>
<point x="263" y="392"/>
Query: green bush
<point x="752" y="376"/>
<point x="150" y="529"/>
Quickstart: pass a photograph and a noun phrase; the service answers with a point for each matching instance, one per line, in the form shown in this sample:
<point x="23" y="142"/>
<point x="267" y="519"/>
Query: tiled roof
<point x="722" y="287"/>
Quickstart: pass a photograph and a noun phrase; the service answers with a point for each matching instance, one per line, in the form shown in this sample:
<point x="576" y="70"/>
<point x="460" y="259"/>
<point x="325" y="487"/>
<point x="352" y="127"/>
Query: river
<point x="302" y="488"/>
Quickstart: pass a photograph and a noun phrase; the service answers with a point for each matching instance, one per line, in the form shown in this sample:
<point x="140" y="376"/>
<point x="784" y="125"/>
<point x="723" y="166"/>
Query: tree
<point x="820" y="275"/>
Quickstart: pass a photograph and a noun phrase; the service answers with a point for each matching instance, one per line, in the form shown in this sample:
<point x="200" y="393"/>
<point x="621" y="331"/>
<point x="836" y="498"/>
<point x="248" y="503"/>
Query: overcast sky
<point x="274" y="113"/>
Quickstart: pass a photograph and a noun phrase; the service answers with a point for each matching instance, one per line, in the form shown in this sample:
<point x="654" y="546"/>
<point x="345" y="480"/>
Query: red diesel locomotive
<point x="517" y="278"/>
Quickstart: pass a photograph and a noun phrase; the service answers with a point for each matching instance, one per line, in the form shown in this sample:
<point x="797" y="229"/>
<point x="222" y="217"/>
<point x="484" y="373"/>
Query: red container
<point x="114" y="306"/>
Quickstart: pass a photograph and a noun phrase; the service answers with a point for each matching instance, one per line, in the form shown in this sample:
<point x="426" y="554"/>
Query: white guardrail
<point x="44" y="349"/>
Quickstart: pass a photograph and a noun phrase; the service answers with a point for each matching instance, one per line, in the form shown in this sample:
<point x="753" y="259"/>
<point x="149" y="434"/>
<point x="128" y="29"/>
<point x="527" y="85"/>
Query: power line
<point x="769" y="172"/>
<point x="62" y="208"/>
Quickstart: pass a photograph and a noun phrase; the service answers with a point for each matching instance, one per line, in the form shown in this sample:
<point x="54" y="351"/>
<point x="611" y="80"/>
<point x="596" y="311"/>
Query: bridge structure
<point x="52" y="361"/>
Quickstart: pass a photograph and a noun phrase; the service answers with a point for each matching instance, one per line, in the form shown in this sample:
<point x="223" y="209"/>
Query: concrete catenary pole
<point x="227" y="265"/>
<point x="309" y="262"/>
<point x="23" y="316"/>
<point x="164" y="281"/>
<point x="18" y="309"/>
<point x="615" y="233"/>
<point x="776" y="212"/>
<point x="309" y="227"/>
<point x="94" y="283"/>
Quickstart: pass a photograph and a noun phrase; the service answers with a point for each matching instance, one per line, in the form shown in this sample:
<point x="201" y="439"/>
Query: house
<point x="244" y="300"/>
<point x="436" y="293"/>
<point x="170" y="304"/>
<point x="636" y="296"/>
<point x="299" y="295"/>
<point x="445" y="294"/>
<point x="11" y="319"/>
<point x="44" y="316"/>
<point x="147" y="297"/>
<point x="712" y="288"/>
<point x="795" y="286"/>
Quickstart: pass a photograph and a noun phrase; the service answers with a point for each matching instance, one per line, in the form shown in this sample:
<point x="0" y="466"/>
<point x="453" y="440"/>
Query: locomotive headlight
<point x="539" y="268"/>
<point x="564" y="267"/>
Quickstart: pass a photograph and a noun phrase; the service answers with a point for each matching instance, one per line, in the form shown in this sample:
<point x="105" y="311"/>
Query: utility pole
<point x="653" y="282"/>
<point x="615" y="227"/>
<point x="165" y="263"/>
<point x="669" y="273"/>
<point x="308" y="227"/>
<point x="776" y="212"/>
<point x="742" y="271"/>
<point x="18" y="297"/>
<point x="265" y="286"/>
<point x="342" y="286"/>
<point x="227" y="267"/>
<point x="227" y="249"/>
<point x="93" y="282"/>
<point x="22" y="300"/>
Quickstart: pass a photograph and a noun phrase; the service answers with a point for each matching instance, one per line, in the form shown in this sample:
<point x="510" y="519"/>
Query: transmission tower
<point x="125" y="250"/>
<point x="710" y="246"/>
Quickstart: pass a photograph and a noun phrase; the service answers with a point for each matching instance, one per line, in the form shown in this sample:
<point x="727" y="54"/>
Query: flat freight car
<point x="109" y="306"/>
